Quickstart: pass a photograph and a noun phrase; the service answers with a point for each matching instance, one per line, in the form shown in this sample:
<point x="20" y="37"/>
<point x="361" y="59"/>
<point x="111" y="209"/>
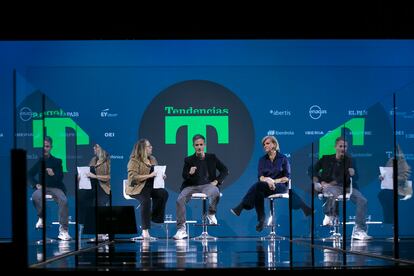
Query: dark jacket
<point x="328" y="169"/>
<point x="213" y="164"/>
<point x="55" y="181"/>
<point x="280" y="167"/>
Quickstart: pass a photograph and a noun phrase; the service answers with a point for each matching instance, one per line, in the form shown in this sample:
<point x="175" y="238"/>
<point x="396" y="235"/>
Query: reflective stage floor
<point x="225" y="253"/>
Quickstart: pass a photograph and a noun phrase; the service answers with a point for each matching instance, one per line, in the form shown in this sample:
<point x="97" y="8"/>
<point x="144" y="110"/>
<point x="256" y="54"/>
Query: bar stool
<point x="127" y="197"/>
<point x="204" y="235"/>
<point x="48" y="198"/>
<point x="336" y="236"/>
<point x="272" y="218"/>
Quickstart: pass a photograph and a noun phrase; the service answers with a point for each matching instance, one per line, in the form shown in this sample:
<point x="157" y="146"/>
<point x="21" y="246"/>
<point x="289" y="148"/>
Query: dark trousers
<point x="386" y="198"/>
<point x="159" y="201"/>
<point x="297" y="202"/>
<point x="255" y="196"/>
<point x="87" y="203"/>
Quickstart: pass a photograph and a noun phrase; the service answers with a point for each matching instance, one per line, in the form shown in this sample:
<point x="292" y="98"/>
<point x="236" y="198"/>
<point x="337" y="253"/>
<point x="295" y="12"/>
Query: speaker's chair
<point x="271" y="222"/>
<point x="336" y="235"/>
<point x="204" y="222"/>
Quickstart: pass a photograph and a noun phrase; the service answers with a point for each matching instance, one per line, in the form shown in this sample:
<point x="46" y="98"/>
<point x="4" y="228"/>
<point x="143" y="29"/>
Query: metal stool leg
<point x="335" y="236"/>
<point x="204" y="235"/>
<point x="272" y="235"/>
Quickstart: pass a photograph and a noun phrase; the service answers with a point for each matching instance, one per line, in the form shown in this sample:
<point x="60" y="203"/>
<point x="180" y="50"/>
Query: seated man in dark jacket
<point x="330" y="173"/>
<point x="53" y="176"/>
<point x="200" y="176"/>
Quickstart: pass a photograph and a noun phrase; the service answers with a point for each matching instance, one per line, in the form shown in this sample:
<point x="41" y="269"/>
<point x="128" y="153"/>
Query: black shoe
<point x="259" y="226"/>
<point x="307" y="211"/>
<point x="158" y="221"/>
<point x="237" y="210"/>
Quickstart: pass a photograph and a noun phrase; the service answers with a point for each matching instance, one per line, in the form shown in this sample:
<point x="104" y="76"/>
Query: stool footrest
<point x="200" y="224"/>
<point x="204" y="236"/>
<point x="48" y="240"/>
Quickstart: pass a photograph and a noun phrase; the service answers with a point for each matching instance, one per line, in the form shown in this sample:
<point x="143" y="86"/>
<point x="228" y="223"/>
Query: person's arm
<point x="103" y="177"/>
<point x="316" y="169"/>
<point x="260" y="168"/>
<point x="260" y="175"/>
<point x="135" y="174"/>
<point x="222" y="169"/>
<point x="32" y="174"/>
<point x="188" y="170"/>
<point x="57" y="171"/>
<point x="286" y="172"/>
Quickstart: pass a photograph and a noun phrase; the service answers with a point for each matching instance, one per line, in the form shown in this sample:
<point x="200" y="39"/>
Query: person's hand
<point x="50" y="171"/>
<point x="153" y="174"/>
<point x="38" y="186"/>
<point x="283" y="179"/>
<point x="271" y="183"/>
<point x="192" y="170"/>
<point x="351" y="171"/>
<point x="381" y="177"/>
<point x="164" y="176"/>
<point x="91" y="175"/>
<point x="325" y="184"/>
<point x="215" y="182"/>
<point x="318" y="187"/>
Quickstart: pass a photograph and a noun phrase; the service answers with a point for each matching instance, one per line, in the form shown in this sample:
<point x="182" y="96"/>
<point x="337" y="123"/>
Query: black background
<point x="208" y="20"/>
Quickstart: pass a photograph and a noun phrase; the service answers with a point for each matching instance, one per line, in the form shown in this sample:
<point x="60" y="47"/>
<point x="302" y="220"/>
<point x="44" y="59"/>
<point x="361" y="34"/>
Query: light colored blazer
<point x="136" y="169"/>
<point x="103" y="167"/>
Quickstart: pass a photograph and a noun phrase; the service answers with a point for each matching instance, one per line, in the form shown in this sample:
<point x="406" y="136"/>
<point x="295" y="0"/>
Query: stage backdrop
<point x="306" y="93"/>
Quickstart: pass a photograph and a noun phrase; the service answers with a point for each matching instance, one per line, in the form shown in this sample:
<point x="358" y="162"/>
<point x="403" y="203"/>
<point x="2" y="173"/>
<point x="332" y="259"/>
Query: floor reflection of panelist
<point x="405" y="189"/>
<point x="330" y="174"/>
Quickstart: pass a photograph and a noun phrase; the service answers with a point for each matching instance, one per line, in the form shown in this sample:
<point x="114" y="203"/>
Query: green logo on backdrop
<point x="56" y="129"/>
<point x="196" y="121"/>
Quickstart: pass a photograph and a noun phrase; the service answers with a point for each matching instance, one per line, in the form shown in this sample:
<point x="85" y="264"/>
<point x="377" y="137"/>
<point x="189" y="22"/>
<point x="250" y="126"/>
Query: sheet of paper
<point x="84" y="181"/>
<point x="159" y="178"/>
<point x="387" y="182"/>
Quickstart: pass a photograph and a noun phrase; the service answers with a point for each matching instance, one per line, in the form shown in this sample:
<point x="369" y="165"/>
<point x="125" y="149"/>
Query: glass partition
<point x="403" y="153"/>
<point x="95" y="115"/>
<point x="29" y="136"/>
<point x="366" y="131"/>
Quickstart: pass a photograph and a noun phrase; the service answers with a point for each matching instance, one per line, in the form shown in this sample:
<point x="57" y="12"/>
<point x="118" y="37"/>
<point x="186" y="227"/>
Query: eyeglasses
<point x="149" y="146"/>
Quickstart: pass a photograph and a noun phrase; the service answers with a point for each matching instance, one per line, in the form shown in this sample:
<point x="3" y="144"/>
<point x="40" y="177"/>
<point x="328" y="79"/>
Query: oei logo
<point x="315" y="112"/>
<point x="198" y="107"/>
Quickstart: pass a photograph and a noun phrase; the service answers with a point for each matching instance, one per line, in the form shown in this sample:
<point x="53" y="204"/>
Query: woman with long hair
<point x="141" y="185"/>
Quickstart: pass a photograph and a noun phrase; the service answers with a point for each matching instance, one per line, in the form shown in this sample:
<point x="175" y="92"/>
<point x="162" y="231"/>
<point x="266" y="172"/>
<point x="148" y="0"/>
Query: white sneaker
<point x="64" y="235"/>
<point x="147" y="237"/>
<point x="103" y="237"/>
<point x="181" y="234"/>
<point x="360" y="235"/>
<point x="328" y="220"/>
<point x="212" y="219"/>
<point x="39" y="223"/>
